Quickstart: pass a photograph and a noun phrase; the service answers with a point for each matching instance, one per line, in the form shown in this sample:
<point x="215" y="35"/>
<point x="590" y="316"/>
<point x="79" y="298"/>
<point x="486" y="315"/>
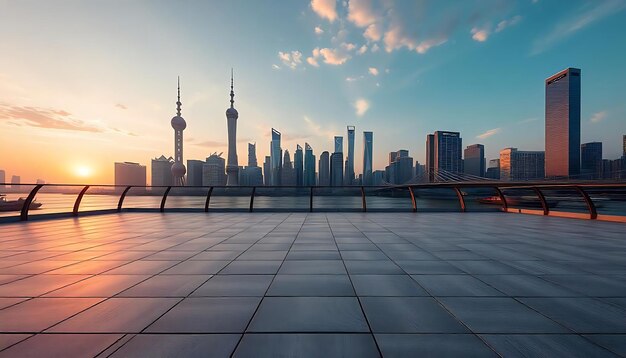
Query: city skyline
<point x="401" y="92"/>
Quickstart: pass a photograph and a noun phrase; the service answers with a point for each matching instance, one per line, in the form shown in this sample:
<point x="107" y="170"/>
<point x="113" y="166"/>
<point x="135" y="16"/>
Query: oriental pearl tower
<point x="232" y="168"/>
<point x="179" y="125"/>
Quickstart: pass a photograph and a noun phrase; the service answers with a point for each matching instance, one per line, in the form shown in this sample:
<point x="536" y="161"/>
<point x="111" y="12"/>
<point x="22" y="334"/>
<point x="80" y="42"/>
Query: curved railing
<point x="589" y="200"/>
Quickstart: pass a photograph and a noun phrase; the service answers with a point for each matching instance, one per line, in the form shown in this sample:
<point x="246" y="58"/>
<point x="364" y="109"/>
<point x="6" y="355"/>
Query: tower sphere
<point x="232" y="113"/>
<point x="178" y="169"/>
<point x="178" y="123"/>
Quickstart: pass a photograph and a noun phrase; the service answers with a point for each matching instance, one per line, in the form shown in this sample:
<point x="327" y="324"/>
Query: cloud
<point x="46" y="118"/>
<point x="121" y="106"/>
<point x="373" y="32"/>
<point x="362" y="50"/>
<point x="585" y="17"/>
<point x="375" y="48"/>
<point x="318" y="30"/>
<point x="488" y="133"/>
<point x="318" y="130"/>
<point x="361" y="106"/>
<point x="507" y="23"/>
<point x="361" y="12"/>
<point x="373" y="71"/>
<point x="598" y="117"/>
<point x="480" y="35"/>
<point x="211" y="143"/>
<point x="312" y="61"/>
<point x="275" y="67"/>
<point x="326" y="9"/>
<point x="291" y="59"/>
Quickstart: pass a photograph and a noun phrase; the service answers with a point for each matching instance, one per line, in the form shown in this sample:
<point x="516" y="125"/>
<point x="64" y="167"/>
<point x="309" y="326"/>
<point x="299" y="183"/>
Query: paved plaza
<point x="313" y="285"/>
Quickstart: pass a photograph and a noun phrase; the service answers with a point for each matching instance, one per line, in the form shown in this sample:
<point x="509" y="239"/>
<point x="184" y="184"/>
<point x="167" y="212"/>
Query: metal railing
<point x="577" y="195"/>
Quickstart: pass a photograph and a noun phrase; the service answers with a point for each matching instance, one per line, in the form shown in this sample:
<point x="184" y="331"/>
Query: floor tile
<point x="385" y="267"/>
<point x="62" y="345"/>
<point x="386" y="285"/>
<point x="179" y="345"/>
<point x="312" y="267"/>
<point x="166" y="286"/>
<point x="235" y="285"/>
<point x="251" y="268"/>
<point x="552" y="345"/>
<point x="433" y="345"/>
<point x="455" y="285"/>
<point x="311" y="285"/>
<point x="40" y="313"/>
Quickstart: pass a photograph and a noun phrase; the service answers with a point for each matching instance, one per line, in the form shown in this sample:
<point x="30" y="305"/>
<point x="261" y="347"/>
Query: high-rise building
<point x="443" y="154"/>
<point x="3" y="179"/>
<point x="336" y="169"/>
<point x="298" y="165"/>
<point x="267" y="170"/>
<point x="161" y="170"/>
<point x="128" y="173"/>
<point x="400" y="168"/>
<point x="194" y="172"/>
<point x="474" y="160"/>
<point x="324" y="169"/>
<point x="378" y="177"/>
<point x="368" y="146"/>
<point x="214" y="171"/>
<point x="309" y="165"/>
<point x="179" y="125"/>
<point x="288" y="174"/>
<point x="250" y="176"/>
<point x="232" y="169"/>
<point x="349" y="173"/>
<point x="563" y="124"/>
<point x="493" y="171"/>
<point x="276" y="153"/>
<point x="624" y="145"/>
<point x="521" y="165"/>
<point x="339" y="145"/>
<point x="430" y="157"/>
<point x="591" y="160"/>
<point x="16" y="180"/>
<point x="252" y="162"/>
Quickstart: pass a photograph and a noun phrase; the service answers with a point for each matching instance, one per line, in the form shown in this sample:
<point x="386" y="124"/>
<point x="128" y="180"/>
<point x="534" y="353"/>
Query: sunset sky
<point x="86" y="83"/>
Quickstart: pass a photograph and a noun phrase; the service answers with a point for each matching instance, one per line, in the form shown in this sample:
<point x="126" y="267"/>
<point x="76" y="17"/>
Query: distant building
<point x="309" y="165"/>
<point x="400" y="168"/>
<point x="3" y="179"/>
<point x="336" y="169"/>
<point x="368" y="144"/>
<point x="267" y="170"/>
<point x="214" y="171"/>
<point x="443" y="154"/>
<point x="41" y="181"/>
<point x="591" y="160"/>
<point x="474" y="160"/>
<point x="624" y="145"/>
<point x="16" y="181"/>
<point x="419" y="169"/>
<point x="194" y="172"/>
<point x="298" y="165"/>
<point x="250" y="176"/>
<point x="324" y="169"/>
<point x="339" y="145"/>
<point x="378" y="177"/>
<point x="430" y="157"/>
<point x="252" y="162"/>
<point x="563" y="124"/>
<point x="178" y="124"/>
<point x="521" y="165"/>
<point x="349" y="172"/>
<point x="129" y="173"/>
<point x="276" y="154"/>
<point x="493" y="171"/>
<point x="614" y="169"/>
<point x="161" y="169"/>
<point x="288" y="173"/>
<point x="232" y="167"/>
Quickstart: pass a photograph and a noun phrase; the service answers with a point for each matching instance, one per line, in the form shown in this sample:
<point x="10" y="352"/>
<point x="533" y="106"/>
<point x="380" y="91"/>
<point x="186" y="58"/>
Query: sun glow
<point x="83" y="171"/>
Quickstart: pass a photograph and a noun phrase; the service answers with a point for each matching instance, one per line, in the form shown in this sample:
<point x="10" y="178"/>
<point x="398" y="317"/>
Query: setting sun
<point x="83" y="171"/>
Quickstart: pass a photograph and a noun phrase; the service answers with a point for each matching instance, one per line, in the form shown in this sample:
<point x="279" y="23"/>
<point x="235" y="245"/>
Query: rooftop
<point x="313" y="284"/>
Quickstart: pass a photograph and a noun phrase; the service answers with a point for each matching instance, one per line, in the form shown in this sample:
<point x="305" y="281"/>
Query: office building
<point x="252" y="162"/>
<point x="474" y="160"/>
<point x="250" y="176"/>
<point x="563" y="124"/>
<point x="339" y="145"/>
<point x="267" y="170"/>
<point x="430" y="157"/>
<point x="179" y="125"/>
<point x="232" y="169"/>
<point x="368" y="154"/>
<point x="349" y="172"/>
<point x="16" y="180"/>
<point x="128" y="173"/>
<point x="214" y="171"/>
<point x="400" y="168"/>
<point x="591" y="160"/>
<point x="493" y="171"/>
<point x="336" y="169"/>
<point x="40" y="181"/>
<point x="161" y="171"/>
<point x="378" y="177"/>
<point x="194" y="172"/>
<point x="624" y="145"/>
<point x="288" y="173"/>
<point x="3" y="178"/>
<point x="517" y="165"/>
<point x="443" y="154"/>
<point x="324" y="169"/>
<point x="309" y="165"/>
<point x="298" y="164"/>
<point x="276" y="153"/>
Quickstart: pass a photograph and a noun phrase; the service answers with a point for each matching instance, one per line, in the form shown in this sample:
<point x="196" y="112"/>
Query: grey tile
<point x="455" y="285"/>
<point x="309" y="314"/>
<point x="385" y="267"/>
<point x="62" y="345"/>
<point x="38" y="285"/>
<point x="216" y="255"/>
<point x="235" y="285"/>
<point x="485" y="267"/>
<point x="410" y="255"/>
<point x="386" y="285"/>
<point x="251" y="268"/>
<point x="591" y="285"/>
<point x="616" y="343"/>
<point x="311" y="285"/>
<point x="263" y="255"/>
<point x="525" y="285"/>
<point x="140" y="267"/>
<point x="99" y="286"/>
<point x="330" y="246"/>
<point x="363" y="255"/>
<point x="196" y="268"/>
<point x="432" y="345"/>
<point x="307" y="345"/>
<point x="313" y="255"/>
<point x="425" y="267"/>
<point x="9" y="339"/>
<point x="207" y="315"/>
<point x="499" y="315"/>
<point x="166" y="286"/>
<point x="40" y="313"/>
<point x="409" y="315"/>
<point x="313" y="267"/>
<point x="552" y="345"/>
<point x="179" y="345"/>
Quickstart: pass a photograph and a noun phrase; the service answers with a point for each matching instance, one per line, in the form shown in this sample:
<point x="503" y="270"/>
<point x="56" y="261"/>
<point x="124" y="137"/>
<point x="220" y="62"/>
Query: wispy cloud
<point x="318" y="30"/>
<point x="290" y="59"/>
<point x="488" y="133"/>
<point x="326" y="9"/>
<point x="47" y="118"/>
<point x="528" y="120"/>
<point x="598" y="117"/>
<point x="361" y="106"/>
<point x="121" y="106"/>
<point x="508" y="23"/>
<point x="275" y="67"/>
<point x="480" y="35"/>
<point x="585" y="17"/>
<point x="373" y="71"/>
<point x="318" y="130"/>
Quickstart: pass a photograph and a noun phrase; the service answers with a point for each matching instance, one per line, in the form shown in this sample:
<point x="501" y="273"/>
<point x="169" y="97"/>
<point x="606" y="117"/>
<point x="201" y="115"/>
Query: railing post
<point x="459" y="194"/>
<point x="593" y="213"/>
<point x="208" y="200"/>
<point x="505" y="206"/>
<point x="364" y="204"/>
<point x="311" y="201"/>
<point x="252" y="198"/>
<point x="79" y="198"/>
<point x="121" y="201"/>
<point x="28" y="201"/>
<point x="542" y="198"/>
<point x="167" y="191"/>
<point x="413" y="201"/>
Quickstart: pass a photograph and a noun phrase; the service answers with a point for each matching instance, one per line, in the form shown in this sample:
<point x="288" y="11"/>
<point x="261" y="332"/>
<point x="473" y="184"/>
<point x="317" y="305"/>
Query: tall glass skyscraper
<point x="591" y="160"/>
<point x="443" y="154"/>
<point x="324" y="169"/>
<point x="336" y="169"/>
<point x="309" y="165"/>
<point x="339" y="144"/>
<point x="276" y="156"/>
<point x="474" y="160"/>
<point x="368" y="145"/>
<point x="298" y="164"/>
<point x="563" y="124"/>
<point x="252" y="162"/>
<point x="349" y="174"/>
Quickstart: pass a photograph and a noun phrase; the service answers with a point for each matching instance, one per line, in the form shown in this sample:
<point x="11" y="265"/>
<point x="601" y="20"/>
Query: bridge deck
<point x="360" y="285"/>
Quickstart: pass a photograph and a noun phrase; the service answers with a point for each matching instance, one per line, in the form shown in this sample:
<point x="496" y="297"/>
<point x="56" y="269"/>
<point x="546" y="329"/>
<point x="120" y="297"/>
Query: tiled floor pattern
<point x="319" y="285"/>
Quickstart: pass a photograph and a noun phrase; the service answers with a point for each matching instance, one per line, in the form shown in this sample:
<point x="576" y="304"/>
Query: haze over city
<point x="87" y="84"/>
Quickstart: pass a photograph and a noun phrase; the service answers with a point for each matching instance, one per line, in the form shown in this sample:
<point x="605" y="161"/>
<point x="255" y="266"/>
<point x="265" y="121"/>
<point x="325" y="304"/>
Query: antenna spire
<point x="178" y="103"/>
<point x="232" y="91"/>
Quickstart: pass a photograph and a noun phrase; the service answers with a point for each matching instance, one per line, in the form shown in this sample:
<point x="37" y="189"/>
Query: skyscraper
<point x="16" y="180"/>
<point x="3" y="178"/>
<point x="128" y="173"/>
<point x="474" y="160"/>
<point x="267" y="170"/>
<point x="591" y="160"/>
<point x="443" y="154"/>
<point x="287" y="174"/>
<point x="214" y="171"/>
<point x="368" y="140"/>
<point x="400" y="168"/>
<point x="194" y="172"/>
<point x="430" y="157"/>
<point x="339" y="144"/>
<point x="521" y="165"/>
<point x="563" y="124"/>
<point x="161" y="170"/>
<point x="298" y="164"/>
<point x="349" y="174"/>
<point x="624" y="145"/>
<point x="324" y="169"/>
<point x="252" y="162"/>
<point x="232" y="169"/>
<point x="179" y="125"/>
<point x="275" y="155"/>
<point x="493" y="171"/>
<point x="336" y="169"/>
<point x="309" y="165"/>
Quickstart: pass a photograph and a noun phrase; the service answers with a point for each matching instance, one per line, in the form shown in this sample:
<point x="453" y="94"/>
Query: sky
<point x="86" y="83"/>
